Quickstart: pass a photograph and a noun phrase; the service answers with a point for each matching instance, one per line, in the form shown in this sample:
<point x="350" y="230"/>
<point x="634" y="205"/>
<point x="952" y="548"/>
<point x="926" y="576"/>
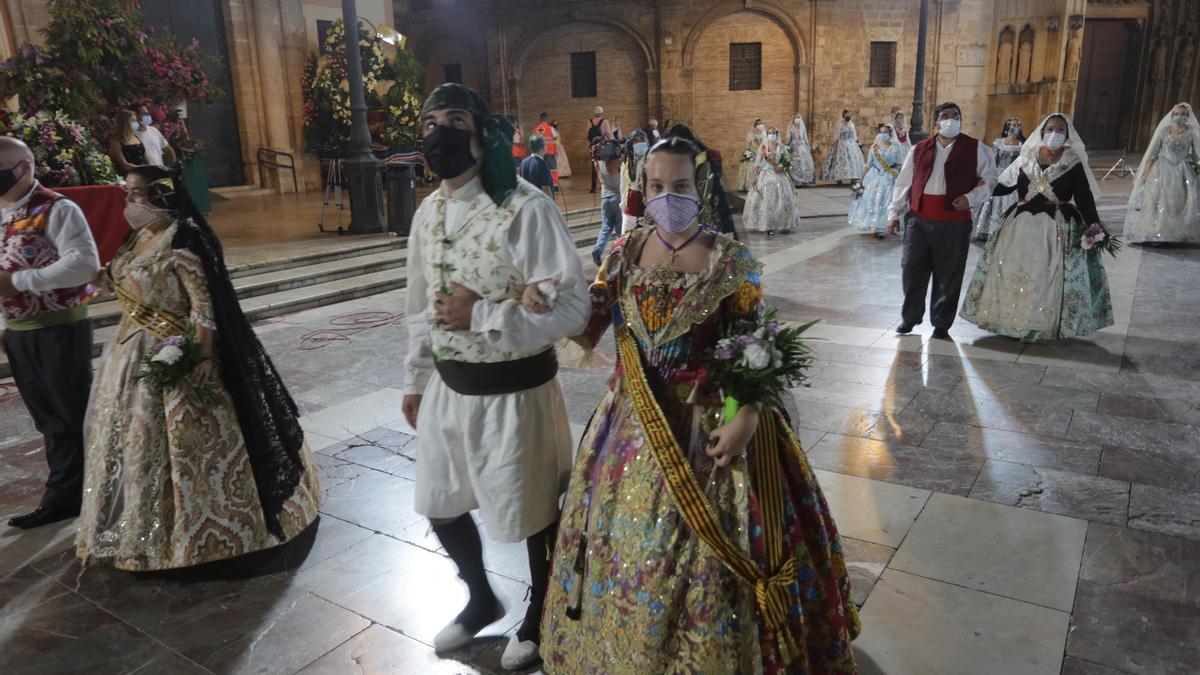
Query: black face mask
<point x="8" y="179"/>
<point x="448" y="151"/>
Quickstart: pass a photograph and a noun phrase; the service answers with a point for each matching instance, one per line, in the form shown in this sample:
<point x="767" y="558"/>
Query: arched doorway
<point x="724" y="104"/>
<point x="542" y="79"/>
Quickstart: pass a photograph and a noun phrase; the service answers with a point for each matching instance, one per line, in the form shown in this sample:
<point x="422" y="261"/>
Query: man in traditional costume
<point x="492" y="425"/>
<point x="942" y="180"/>
<point x="47" y="258"/>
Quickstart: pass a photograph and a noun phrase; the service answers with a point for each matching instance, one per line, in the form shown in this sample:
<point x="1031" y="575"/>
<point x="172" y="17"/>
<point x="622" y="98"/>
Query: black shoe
<point x="880" y="235"/>
<point x="905" y="328"/>
<point x="596" y="257"/>
<point x="941" y="334"/>
<point x="43" y="516"/>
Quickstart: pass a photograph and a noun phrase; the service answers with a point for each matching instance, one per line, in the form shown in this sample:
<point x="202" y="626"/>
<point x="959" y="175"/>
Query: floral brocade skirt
<point x="654" y="598"/>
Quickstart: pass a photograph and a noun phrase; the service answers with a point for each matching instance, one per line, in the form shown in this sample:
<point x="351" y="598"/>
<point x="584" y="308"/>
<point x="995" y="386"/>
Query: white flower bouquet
<point x="757" y="361"/>
<point x="170" y="364"/>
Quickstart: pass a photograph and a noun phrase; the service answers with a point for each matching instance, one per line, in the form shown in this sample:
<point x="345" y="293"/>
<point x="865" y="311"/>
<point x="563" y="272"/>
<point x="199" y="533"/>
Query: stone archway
<point x="721" y="116"/>
<point x="624" y="74"/>
<point x="443" y="48"/>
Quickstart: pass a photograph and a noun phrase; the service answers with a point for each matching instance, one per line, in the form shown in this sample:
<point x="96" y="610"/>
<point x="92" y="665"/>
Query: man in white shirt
<point x="47" y="258"/>
<point x="481" y="387"/>
<point x="156" y="145"/>
<point x="943" y="179"/>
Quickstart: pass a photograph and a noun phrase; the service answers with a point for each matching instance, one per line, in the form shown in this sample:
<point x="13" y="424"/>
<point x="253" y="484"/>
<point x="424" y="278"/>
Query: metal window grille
<point x="452" y="72"/>
<point x="745" y="66"/>
<point x="883" y="64"/>
<point x="583" y="75"/>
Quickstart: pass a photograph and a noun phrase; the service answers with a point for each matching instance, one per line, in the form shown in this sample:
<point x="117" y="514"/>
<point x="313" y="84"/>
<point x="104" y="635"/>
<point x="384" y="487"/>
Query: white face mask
<point x="134" y="125"/>
<point x="1179" y="118"/>
<point x="146" y="120"/>
<point x="140" y="216"/>
<point x="883" y="138"/>
<point x="949" y="128"/>
<point x="773" y="137"/>
<point x="1055" y="140"/>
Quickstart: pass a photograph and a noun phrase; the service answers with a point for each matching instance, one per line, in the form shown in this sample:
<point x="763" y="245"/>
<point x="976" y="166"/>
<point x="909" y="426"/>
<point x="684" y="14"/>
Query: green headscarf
<point x="495" y="134"/>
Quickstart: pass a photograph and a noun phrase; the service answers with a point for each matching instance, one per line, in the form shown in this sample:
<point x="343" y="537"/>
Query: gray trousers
<point x="52" y="368"/>
<point x="935" y="249"/>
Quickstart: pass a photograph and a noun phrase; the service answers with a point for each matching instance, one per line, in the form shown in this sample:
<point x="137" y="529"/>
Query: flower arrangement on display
<point x="171" y="364"/>
<point x="1097" y="236"/>
<point x="62" y="149"/>
<point x="391" y="85"/>
<point x="757" y="360"/>
<point x="101" y="55"/>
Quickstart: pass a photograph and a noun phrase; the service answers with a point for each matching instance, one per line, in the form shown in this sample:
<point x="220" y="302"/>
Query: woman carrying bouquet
<point x="873" y="193"/>
<point x="673" y="515"/>
<point x="1006" y="148"/>
<point x="1164" y="207"/>
<point x="771" y="206"/>
<point x="1041" y="276"/>
<point x="754" y="140"/>
<point x="845" y="159"/>
<point x="213" y="465"/>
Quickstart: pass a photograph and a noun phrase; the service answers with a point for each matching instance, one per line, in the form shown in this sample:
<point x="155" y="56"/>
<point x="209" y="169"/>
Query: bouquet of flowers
<point x="857" y="188"/>
<point x="757" y="361"/>
<point x="169" y="365"/>
<point x="785" y="163"/>
<point x="747" y="155"/>
<point x="63" y="149"/>
<point x="1098" y="237"/>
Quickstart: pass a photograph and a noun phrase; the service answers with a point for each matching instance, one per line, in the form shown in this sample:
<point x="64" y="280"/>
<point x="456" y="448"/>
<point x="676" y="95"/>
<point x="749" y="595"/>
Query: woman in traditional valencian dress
<point x="845" y="160"/>
<point x="754" y="140"/>
<point x="1164" y="207"/>
<point x="564" y="162"/>
<point x="637" y="585"/>
<point x="172" y="480"/>
<point x="1035" y="280"/>
<point x="803" y="172"/>
<point x="772" y="205"/>
<point x="1007" y="148"/>
<point x="869" y="211"/>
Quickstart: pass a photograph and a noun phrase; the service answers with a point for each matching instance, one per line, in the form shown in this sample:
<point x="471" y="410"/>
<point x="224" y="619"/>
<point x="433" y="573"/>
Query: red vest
<point x="24" y="246"/>
<point x="961" y="178"/>
<point x="547" y="133"/>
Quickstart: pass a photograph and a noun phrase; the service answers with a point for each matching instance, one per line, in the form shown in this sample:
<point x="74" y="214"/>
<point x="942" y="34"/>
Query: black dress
<point x="134" y="153"/>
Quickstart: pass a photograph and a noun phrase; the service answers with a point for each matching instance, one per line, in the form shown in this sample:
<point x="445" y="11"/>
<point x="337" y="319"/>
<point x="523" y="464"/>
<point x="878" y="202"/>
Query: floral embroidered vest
<point x="24" y="246"/>
<point x="475" y="256"/>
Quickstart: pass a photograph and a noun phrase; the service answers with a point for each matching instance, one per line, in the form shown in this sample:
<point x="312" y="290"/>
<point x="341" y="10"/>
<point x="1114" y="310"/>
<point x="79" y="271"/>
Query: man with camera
<point x="599" y="130"/>
<point x="606" y="156"/>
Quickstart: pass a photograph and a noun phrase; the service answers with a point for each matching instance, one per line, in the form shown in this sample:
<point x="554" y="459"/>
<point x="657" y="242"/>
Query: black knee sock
<point x="541" y="552"/>
<point x="460" y="538"/>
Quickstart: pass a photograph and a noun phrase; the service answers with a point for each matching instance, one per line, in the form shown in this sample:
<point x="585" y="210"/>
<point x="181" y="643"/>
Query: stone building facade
<point x="671" y="59"/>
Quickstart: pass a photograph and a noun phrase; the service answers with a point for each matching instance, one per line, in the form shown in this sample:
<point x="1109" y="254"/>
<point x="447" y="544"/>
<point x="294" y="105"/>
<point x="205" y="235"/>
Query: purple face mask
<point x="673" y="213"/>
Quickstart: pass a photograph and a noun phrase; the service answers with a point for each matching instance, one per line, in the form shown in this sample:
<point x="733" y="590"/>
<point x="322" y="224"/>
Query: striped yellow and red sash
<point x="770" y="591"/>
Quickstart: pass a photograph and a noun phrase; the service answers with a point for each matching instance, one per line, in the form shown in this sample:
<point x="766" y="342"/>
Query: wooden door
<point x="214" y="123"/>
<point x="1104" y="90"/>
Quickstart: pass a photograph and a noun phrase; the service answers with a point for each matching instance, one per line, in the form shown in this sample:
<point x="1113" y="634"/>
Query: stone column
<point x="272" y="78"/>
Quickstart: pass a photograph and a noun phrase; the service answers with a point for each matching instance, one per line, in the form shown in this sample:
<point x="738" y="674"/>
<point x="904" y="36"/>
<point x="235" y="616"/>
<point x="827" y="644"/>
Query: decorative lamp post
<point x="363" y="170"/>
<point x="917" y="132"/>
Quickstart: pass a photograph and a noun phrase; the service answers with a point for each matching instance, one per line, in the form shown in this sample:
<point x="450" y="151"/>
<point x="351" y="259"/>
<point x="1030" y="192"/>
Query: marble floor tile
<point x="1062" y="492"/>
<point x="68" y="634"/>
<point x="987" y="370"/>
<point x="1074" y="666"/>
<point x="844" y="335"/>
<point x="19" y="548"/>
<point x="403" y="587"/>
<point x="870" y="510"/>
<point x="1125" y="432"/>
<point x="990" y="412"/>
<point x="958" y="630"/>
<point x="1166" y="466"/>
<point x="383" y="503"/>
<point x="919" y="378"/>
<point x="357" y="415"/>
<point x="382" y="449"/>
<point x="1134" y="633"/>
<point x="891" y="398"/>
<point x="379" y="650"/>
<point x="1123" y="384"/>
<point x="1016" y="447"/>
<point x="992" y="348"/>
<point x="1179" y="410"/>
<point x="1144" y="563"/>
<point x="1172" y="512"/>
<point x="1036" y="395"/>
<point x="1019" y="554"/>
<point x="1100" y="351"/>
<point x="934" y="469"/>
<point x="864" y="562"/>
<point x="906" y="429"/>
<point x="26" y="588"/>
<point x="867" y="356"/>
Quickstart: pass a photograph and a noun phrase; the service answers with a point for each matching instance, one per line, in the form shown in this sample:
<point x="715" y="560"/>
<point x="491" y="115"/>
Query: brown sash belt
<point x="505" y="377"/>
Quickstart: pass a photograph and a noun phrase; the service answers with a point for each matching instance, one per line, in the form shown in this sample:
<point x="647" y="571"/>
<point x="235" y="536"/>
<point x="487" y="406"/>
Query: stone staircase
<point x="287" y="285"/>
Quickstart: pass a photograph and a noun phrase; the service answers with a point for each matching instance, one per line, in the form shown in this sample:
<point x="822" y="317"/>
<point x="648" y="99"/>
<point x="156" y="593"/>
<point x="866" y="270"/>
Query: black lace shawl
<point x="266" y="413"/>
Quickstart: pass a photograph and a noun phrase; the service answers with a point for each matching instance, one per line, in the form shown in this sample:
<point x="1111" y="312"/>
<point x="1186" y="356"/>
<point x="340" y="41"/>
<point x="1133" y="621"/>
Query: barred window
<point x="452" y="72"/>
<point x="745" y="66"/>
<point x="883" y="64"/>
<point x="583" y="75"/>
